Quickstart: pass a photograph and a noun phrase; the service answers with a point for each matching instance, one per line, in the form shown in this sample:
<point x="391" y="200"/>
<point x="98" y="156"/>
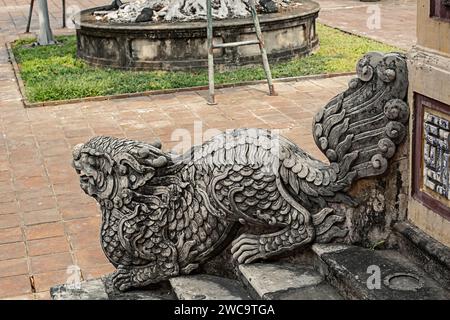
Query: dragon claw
<point x="246" y="249"/>
<point x="122" y="279"/>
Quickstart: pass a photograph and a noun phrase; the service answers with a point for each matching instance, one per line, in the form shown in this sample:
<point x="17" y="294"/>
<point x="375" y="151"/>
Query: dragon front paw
<point x="247" y="248"/>
<point x="122" y="279"/>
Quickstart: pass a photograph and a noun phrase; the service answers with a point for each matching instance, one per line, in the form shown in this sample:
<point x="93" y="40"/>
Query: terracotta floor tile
<point x="48" y="246"/>
<point x="75" y="211"/>
<point x="21" y="297"/>
<point x="45" y="230"/>
<point x="9" y="207"/>
<point x="7" y="196"/>
<point x="5" y="175"/>
<point x="91" y="257"/>
<point x="6" y="186"/>
<point x="65" y="200"/>
<point x="70" y="187"/>
<point x="13" y="267"/>
<point x="84" y="240"/>
<point x="33" y="194"/>
<point x="15" y="286"/>
<point x="31" y="183"/>
<point x="12" y="250"/>
<point x="51" y="262"/>
<point x="44" y="295"/>
<point x="9" y="220"/>
<point x="42" y="203"/>
<point x="44" y="281"/>
<point x="90" y="224"/>
<point x="27" y="171"/>
<point x="75" y="133"/>
<point x="97" y="271"/>
<point x="11" y="235"/>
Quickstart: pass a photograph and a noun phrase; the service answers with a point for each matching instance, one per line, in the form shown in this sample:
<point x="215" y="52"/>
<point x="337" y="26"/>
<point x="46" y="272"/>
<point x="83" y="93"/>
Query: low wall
<point x="182" y="45"/>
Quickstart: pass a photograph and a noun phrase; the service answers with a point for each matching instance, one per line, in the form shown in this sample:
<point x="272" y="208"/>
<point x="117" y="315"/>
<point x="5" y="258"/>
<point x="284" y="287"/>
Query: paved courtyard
<point x="47" y="224"/>
<point x="389" y="21"/>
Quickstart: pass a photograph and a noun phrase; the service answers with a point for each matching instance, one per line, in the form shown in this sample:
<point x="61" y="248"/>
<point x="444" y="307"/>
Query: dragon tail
<point x="360" y="129"/>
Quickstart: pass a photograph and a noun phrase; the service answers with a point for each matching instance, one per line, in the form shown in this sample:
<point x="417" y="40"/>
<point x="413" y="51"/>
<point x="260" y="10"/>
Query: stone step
<point x="207" y="287"/>
<point x="86" y="290"/>
<point x="101" y="289"/>
<point x="360" y="273"/>
<point x="431" y="255"/>
<point x="286" y="281"/>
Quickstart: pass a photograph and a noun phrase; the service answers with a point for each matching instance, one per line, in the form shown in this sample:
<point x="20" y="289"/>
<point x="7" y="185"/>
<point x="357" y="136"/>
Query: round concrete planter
<point x="182" y="45"/>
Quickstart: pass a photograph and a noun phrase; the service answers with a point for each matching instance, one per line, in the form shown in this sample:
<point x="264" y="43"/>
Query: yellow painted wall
<point x="429" y="75"/>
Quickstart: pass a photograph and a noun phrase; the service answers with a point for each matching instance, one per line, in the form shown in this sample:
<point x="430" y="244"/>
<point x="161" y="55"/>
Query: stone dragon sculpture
<point x="164" y="215"/>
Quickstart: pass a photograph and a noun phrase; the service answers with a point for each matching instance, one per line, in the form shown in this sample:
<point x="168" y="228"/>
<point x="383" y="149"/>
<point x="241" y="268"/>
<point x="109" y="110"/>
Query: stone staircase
<point x="336" y="272"/>
<point x="365" y="274"/>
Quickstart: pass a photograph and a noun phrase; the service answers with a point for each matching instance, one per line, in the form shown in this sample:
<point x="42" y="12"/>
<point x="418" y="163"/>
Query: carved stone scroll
<point x="164" y="216"/>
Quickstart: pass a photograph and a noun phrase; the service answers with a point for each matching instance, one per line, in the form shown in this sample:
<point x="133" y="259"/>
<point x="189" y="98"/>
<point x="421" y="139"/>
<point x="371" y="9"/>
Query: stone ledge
<point x="207" y="287"/>
<point x="429" y="70"/>
<point x="432" y="255"/>
<point x="286" y="281"/>
<point x="399" y="279"/>
<point x="101" y="289"/>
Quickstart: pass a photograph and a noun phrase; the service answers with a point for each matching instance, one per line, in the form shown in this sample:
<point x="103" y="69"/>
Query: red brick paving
<point x="397" y="23"/>
<point x="46" y="222"/>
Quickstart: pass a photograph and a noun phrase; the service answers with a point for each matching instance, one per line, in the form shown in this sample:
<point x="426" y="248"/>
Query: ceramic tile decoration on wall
<point x="436" y="154"/>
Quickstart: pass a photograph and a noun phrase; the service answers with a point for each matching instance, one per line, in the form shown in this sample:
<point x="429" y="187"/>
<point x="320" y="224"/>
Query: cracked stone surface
<point x="287" y="281"/>
<point x="353" y="270"/>
<point x="206" y="287"/>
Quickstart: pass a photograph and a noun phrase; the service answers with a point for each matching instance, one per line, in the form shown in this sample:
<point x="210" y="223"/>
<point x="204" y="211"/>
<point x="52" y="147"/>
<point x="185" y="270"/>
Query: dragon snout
<point x="76" y="154"/>
<point x="76" y="151"/>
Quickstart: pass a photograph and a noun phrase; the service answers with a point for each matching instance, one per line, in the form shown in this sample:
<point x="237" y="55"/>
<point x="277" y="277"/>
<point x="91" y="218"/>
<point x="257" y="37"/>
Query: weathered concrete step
<point x="207" y="287"/>
<point x="431" y="255"/>
<point x="360" y="273"/>
<point x="101" y="289"/>
<point x="286" y="281"/>
<point x="86" y="290"/>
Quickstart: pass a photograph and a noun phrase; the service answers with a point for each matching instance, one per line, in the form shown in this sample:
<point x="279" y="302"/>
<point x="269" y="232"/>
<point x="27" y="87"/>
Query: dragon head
<point x="110" y="168"/>
<point x="95" y="170"/>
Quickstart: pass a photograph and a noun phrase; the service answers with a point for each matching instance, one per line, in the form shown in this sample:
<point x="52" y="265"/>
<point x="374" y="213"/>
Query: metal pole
<point x="209" y="33"/>
<point x="262" y="48"/>
<point x="63" y="13"/>
<point x="45" y="32"/>
<point x="29" y="16"/>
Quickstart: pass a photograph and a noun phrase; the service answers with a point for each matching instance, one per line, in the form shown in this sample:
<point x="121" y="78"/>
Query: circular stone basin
<point x="403" y="282"/>
<point x="182" y="45"/>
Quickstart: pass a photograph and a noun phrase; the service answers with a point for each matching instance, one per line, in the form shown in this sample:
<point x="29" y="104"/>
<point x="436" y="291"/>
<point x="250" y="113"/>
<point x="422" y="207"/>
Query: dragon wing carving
<point x="359" y="130"/>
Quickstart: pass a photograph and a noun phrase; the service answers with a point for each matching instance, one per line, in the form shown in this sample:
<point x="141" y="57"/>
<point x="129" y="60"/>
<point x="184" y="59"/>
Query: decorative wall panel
<point x="431" y="154"/>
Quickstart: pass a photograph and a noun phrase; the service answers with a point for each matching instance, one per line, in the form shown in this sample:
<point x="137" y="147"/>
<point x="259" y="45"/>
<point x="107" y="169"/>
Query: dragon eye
<point x="92" y="161"/>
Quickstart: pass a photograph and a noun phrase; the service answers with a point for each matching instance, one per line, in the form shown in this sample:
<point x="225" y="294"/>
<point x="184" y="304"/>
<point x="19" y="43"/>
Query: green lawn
<point x="54" y="72"/>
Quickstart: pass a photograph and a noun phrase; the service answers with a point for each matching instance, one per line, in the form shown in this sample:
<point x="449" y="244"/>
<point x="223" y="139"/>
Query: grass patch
<point x="54" y="72"/>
